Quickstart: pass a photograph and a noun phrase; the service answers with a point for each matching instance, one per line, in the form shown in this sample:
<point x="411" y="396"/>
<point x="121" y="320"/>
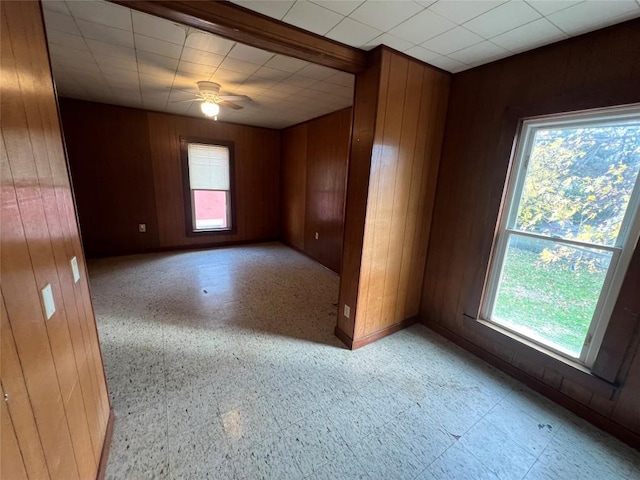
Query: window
<point x="208" y="172"/>
<point x="568" y="228"/>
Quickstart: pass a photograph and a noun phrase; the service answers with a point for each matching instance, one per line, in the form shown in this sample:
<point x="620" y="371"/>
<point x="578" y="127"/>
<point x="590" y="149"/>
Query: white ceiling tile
<point x="58" y="6"/>
<point x="159" y="47"/>
<point x="102" y="12"/>
<point x="103" y="48"/>
<point x="227" y="77"/>
<point x="63" y="23"/>
<point x="422" y="27"/>
<point x="343" y="7"/>
<point x="56" y="37"/>
<point x="114" y="71"/>
<point x="117" y="81"/>
<point x="460" y="11"/>
<point x="384" y="14"/>
<point x="271" y="74"/>
<point x="196" y="69"/>
<point x="586" y="16"/>
<point x="160" y="28"/>
<point x="535" y="34"/>
<point x="426" y="3"/>
<point x="286" y="64"/>
<point x="300" y="81"/>
<point x="502" y="19"/>
<point x="96" y="31"/>
<point x="151" y="62"/>
<point x="390" y="41"/>
<point x="455" y="39"/>
<point x="316" y="71"/>
<point x="312" y="17"/>
<point x="199" y="56"/>
<point x="353" y="33"/>
<point x="448" y="64"/>
<point x="480" y="53"/>
<point x="156" y="82"/>
<point x="342" y="78"/>
<point x="208" y="43"/>
<point x="272" y="8"/>
<point x="78" y="55"/>
<point x="249" y="54"/>
<point x="70" y="64"/>
<point x="421" y="53"/>
<point x="188" y="81"/>
<point x="238" y="66"/>
<point x="286" y="88"/>
<point x="547" y="7"/>
<point x="116" y="62"/>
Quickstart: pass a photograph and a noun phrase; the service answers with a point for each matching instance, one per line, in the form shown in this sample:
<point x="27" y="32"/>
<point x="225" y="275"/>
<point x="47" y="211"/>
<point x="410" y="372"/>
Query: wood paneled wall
<point x="314" y="167"/>
<point x="125" y="165"/>
<point x="594" y="70"/>
<point x="57" y="409"/>
<point x="408" y="101"/>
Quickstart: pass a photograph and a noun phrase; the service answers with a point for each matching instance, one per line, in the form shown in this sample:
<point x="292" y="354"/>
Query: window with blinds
<point x="209" y="184"/>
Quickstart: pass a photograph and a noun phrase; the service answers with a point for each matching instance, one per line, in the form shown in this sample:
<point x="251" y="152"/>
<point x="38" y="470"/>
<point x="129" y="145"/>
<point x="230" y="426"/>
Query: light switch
<point x="347" y="310"/>
<point x="47" y="301"/>
<point x="142" y="227"/>
<point x="316" y="235"/>
<point x="74" y="269"/>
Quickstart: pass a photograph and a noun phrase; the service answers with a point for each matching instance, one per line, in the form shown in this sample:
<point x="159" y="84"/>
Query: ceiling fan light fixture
<point x="210" y="109"/>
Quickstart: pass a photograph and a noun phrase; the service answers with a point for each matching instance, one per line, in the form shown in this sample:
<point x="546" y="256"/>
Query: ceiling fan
<point x="209" y="95"/>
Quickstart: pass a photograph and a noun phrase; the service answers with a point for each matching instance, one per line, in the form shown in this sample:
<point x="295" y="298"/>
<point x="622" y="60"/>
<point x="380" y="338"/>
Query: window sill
<point x="573" y="371"/>
<point x="201" y="233"/>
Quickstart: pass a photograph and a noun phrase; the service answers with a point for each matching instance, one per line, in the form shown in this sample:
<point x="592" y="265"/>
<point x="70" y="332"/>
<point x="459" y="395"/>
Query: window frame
<point x="622" y="250"/>
<point x="188" y="192"/>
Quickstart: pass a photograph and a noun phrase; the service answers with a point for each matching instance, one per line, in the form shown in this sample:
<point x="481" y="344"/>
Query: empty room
<point x="291" y="239"/>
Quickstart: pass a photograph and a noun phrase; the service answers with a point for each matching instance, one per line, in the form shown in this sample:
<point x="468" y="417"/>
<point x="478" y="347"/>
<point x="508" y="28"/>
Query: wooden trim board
<point x="361" y="342"/>
<point x="106" y="446"/>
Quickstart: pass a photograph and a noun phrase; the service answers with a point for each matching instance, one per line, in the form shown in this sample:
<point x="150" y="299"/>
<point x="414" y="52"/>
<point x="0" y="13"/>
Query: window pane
<point x="548" y="291"/>
<point x="210" y="209"/>
<point x="579" y="181"/>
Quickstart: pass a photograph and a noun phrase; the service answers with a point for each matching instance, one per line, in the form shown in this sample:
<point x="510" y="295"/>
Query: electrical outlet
<point x="142" y="227"/>
<point x="47" y="301"/>
<point x="347" y="310"/>
<point x="75" y="269"/>
<point x="317" y="235"/>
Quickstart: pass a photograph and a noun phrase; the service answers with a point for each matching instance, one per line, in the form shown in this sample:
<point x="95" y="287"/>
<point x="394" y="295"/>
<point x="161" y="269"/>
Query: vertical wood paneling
<point x="411" y="107"/>
<point x="294" y="184"/>
<point x="598" y="69"/>
<point x="314" y="167"/>
<point x="126" y="168"/>
<point x="11" y="463"/>
<point x="58" y="412"/>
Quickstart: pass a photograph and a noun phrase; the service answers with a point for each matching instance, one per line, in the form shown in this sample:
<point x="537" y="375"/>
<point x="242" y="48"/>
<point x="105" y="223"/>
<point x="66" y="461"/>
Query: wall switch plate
<point x="317" y="235"/>
<point x="142" y="227"/>
<point x="75" y="270"/>
<point x="347" y="310"/>
<point x="47" y="301"/>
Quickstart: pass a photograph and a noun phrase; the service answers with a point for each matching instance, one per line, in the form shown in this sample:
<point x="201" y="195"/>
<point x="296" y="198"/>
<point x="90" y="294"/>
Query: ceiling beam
<point x="245" y="26"/>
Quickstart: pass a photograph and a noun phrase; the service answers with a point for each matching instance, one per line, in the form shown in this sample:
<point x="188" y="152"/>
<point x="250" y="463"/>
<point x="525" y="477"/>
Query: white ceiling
<point x="454" y="35"/>
<point x="108" y="53"/>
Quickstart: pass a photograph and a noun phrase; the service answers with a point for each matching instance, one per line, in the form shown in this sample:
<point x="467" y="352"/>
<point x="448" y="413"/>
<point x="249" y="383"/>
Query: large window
<point x="568" y="228"/>
<point x="208" y="182"/>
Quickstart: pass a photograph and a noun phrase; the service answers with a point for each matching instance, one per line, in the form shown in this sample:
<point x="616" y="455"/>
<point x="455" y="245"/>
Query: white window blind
<point x="208" y="167"/>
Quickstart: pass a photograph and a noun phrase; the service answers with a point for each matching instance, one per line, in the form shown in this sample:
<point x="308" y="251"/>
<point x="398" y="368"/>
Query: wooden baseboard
<point x="344" y="338"/>
<point x="106" y="447"/>
<point x="361" y="342"/>
<point x="604" y="423"/>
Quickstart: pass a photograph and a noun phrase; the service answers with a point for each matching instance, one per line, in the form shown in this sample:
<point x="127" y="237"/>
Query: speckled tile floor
<point x="222" y="364"/>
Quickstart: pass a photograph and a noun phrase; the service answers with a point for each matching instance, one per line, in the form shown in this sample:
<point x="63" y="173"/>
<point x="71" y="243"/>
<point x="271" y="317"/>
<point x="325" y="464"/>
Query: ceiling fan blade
<point x="230" y="105"/>
<point x="235" y="98"/>
<point x="190" y="100"/>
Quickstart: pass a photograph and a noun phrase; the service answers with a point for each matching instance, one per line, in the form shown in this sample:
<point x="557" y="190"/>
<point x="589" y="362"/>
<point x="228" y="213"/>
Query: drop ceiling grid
<point x="109" y="53"/>
<point x="453" y="35"/>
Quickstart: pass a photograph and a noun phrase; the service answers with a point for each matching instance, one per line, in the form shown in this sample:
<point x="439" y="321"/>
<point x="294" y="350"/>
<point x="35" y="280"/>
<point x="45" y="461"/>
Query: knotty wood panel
<point x="51" y="369"/>
<point x="314" y="167"/>
<point x="125" y="164"/>
<point x="595" y="70"/>
<point x="409" y="117"/>
<point x="294" y="184"/>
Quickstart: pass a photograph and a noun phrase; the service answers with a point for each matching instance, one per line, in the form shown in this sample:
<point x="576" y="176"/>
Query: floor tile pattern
<point x="222" y="364"/>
